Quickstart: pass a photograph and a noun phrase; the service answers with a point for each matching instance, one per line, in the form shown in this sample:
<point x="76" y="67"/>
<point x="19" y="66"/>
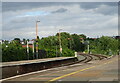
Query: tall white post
<point x="27" y="50"/>
<point x="88" y="48"/>
<point x="33" y="49"/>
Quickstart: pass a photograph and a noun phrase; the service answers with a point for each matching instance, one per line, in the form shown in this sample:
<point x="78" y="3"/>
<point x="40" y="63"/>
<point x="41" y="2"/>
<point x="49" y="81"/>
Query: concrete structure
<point x="21" y="67"/>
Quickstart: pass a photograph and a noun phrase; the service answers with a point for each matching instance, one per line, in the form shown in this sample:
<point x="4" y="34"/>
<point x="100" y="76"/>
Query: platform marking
<point x="54" y="79"/>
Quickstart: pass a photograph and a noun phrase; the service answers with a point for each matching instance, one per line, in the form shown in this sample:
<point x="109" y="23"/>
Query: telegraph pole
<point x="37" y="39"/>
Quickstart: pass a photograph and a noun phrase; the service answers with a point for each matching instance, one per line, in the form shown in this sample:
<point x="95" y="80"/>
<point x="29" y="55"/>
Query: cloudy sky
<point x="93" y="19"/>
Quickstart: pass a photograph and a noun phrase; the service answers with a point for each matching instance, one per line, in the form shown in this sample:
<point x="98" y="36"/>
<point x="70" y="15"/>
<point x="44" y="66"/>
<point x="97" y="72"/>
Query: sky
<point x="94" y="19"/>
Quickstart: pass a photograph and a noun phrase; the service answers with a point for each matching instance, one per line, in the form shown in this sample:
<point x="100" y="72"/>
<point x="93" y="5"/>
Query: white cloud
<point x="106" y="10"/>
<point x="61" y="1"/>
<point x="71" y="18"/>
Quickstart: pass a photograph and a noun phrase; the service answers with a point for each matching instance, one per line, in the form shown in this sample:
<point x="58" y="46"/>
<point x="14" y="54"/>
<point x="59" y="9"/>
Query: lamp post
<point x="37" y="39"/>
<point x="60" y="42"/>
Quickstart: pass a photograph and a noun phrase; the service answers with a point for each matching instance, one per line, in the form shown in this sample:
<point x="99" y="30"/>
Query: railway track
<point x="90" y="57"/>
<point x="99" y="56"/>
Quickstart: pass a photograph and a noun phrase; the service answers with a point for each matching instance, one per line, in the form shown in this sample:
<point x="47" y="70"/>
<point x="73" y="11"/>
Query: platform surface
<point x="14" y="63"/>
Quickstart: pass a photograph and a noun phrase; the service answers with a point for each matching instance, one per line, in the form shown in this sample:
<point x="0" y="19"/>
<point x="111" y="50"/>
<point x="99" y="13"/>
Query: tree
<point x="104" y="45"/>
<point x="17" y="40"/>
<point x="78" y="46"/>
<point x="25" y="41"/>
<point x="82" y="36"/>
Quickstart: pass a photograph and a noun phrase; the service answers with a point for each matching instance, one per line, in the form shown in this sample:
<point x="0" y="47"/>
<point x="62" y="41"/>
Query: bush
<point x="65" y="53"/>
<point x="14" y="53"/>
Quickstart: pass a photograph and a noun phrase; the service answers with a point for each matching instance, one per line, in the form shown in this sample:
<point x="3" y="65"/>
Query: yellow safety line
<point x="71" y="73"/>
<point x="54" y="79"/>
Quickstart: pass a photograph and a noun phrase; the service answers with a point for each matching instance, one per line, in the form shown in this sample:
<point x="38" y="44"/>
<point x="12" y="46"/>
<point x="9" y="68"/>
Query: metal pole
<point x="27" y="50"/>
<point x="33" y="50"/>
<point x="36" y="48"/>
<point x="88" y="48"/>
<point x="36" y="30"/>
<point x="60" y="43"/>
<point x="37" y="39"/>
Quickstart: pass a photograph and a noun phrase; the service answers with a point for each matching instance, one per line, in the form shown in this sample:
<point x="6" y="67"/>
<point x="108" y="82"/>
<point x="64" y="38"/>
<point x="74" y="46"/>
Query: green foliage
<point x="70" y="44"/>
<point x="25" y="41"/>
<point x="13" y="52"/>
<point x="104" y="45"/>
<point x="51" y="45"/>
<point x="68" y="52"/>
<point x="55" y="53"/>
<point x="82" y="36"/>
<point x="77" y="45"/>
<point x="17" y="40"/>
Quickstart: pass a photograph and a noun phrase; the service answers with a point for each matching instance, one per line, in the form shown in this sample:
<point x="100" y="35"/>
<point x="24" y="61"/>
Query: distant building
<point x="5" y="42"/>
<point x="25" y="46"/>
<point x="94" y="38"/>
<point x="22" y="42"/>
<point x="0" y="41"/>
<point x="33" y="40"/>
<point x="117" y="37"/>
<point x="30" y="44"/>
